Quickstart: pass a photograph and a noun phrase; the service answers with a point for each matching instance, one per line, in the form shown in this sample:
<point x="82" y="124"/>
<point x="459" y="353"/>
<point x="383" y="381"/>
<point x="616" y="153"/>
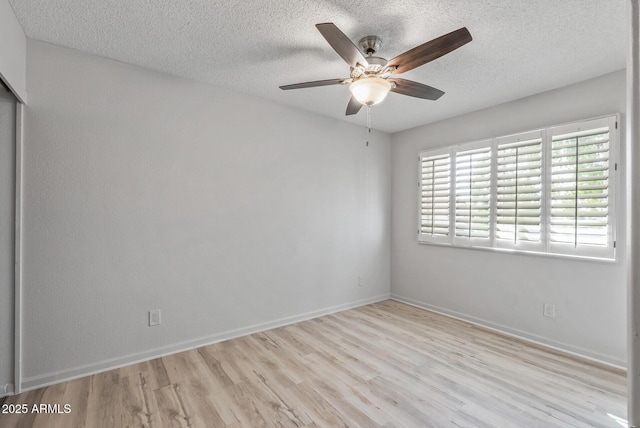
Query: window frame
<point x="545" y="247"/>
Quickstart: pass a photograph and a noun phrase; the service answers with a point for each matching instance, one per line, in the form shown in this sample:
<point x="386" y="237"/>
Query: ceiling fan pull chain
<point x="368" y="124"/>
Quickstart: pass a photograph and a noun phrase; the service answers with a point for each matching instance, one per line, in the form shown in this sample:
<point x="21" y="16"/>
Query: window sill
<point x="575" y="257"/>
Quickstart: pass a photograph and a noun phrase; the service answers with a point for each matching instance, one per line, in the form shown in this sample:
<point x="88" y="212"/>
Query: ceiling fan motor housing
<point x="370" y="44"/>
<point x="375" y="64"/>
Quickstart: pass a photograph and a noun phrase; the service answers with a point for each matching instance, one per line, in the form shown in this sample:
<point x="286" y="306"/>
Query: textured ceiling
<point x="520" y="47"/>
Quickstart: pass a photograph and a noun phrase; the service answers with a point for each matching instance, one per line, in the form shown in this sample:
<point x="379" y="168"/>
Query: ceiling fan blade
<point x="431" y="50"/>
<point x="313" y="84"/>
<point x="353" y="107"/>
<point x="415" y="89"/>
<point x="342" y="44"/>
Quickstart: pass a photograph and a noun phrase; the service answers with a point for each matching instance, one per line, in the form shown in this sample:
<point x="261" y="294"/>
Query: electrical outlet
<point x="549" y="310"/>
<point x="360" y="281"/>
<point x="154" y="317"/>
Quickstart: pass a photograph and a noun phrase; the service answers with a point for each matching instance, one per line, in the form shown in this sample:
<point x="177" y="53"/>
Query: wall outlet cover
<point x="549" y="310"/>
<point x="154" y="317"/>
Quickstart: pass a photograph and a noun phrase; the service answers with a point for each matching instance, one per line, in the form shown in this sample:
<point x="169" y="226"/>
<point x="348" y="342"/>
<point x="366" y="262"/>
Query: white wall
<point x="227" y="212"/>
<point x="13" y="48"/>
<point x="484" y="286"/>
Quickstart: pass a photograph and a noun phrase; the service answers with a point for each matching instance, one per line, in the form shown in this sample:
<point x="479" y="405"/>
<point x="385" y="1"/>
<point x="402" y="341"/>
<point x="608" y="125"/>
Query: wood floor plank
<point x="136" y="411"/>
<point x="53" y="399"/>
<point x="215" y="367"/>
<point x="381" y="365"/>
<point x="76" y="394"/>
<point x="172" y="413"/>
<point x="194" y="388"/>
<point x="321" y="411"/>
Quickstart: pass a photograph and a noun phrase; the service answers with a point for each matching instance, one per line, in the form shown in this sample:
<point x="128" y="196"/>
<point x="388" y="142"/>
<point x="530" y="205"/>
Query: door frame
<point x="17" y="310"/>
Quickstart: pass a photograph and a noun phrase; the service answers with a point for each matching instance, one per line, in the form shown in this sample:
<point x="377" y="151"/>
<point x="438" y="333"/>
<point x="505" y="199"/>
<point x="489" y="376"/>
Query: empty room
<point x="319" y="213"/>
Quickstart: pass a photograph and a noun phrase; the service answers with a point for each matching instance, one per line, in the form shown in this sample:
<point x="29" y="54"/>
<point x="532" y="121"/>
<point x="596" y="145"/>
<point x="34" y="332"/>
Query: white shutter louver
<point x="435" y="195"/>
<point x="580" y="188"/>
<point x="473" y="194"/>
<point x="519" y="191"/>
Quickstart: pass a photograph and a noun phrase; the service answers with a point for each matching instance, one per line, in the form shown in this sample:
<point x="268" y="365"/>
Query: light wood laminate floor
<point x="386" y="364"/>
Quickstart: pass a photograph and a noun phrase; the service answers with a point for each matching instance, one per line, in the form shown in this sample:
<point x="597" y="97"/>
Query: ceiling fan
<point x="372" y="77"/>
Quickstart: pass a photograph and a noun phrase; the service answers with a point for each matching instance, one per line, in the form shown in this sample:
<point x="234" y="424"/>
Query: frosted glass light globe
<point x="370" y="90"/>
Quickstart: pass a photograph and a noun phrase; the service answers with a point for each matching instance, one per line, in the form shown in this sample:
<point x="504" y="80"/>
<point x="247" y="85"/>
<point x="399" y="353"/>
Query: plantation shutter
<point x="580" y="183"/>
<point x="548" y="191"/>
<point x="473" y="195"/>
<point x="519" y="191"/>
<point x="435" y="196"/>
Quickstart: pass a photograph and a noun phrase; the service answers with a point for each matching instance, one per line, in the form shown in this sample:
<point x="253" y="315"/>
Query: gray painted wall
<point x="507" y="291"/>
<point x="7" y="227"/>
<point x="227" y="212"/>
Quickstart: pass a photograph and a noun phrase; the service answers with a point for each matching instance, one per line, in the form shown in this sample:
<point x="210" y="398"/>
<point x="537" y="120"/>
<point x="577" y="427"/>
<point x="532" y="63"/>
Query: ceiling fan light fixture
<point x="368" y="77"/>
<point x="370" y="90"/>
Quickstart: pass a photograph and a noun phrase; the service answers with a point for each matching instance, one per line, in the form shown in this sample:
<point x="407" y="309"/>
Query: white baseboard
<point x="47" y="379"/>
<point x="7" y="390"/>
<point x="519" y="334"/>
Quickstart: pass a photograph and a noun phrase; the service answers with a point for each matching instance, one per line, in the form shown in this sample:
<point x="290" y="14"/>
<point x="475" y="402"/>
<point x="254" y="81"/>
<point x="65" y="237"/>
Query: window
<point x="435" y="197"/>
<point x="519" y="191"/>
<point x="472" y="206"/>
<point x="580" y="183"/>
<point x="547" y="191"/>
